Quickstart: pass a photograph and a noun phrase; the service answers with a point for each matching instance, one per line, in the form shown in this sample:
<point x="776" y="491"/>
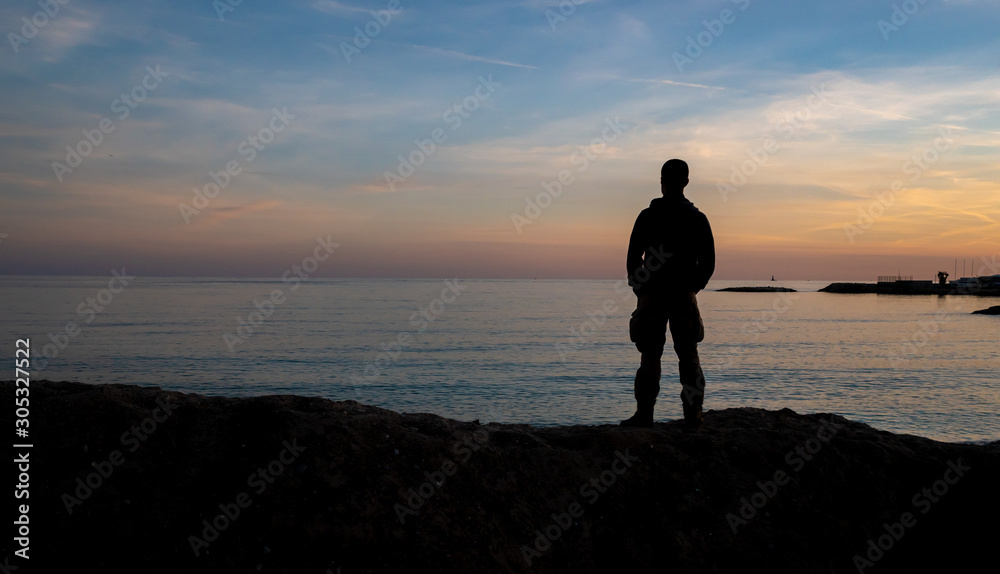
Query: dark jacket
<point x="671" y="248"/>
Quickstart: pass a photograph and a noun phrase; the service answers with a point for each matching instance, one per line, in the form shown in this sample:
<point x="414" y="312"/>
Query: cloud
<point x="219" y="214"/>
<point x="546" y="4"/>
<point x="673" y="83"/>
<point x="470" y="57"/>
<point x="334" y="7"/>
<point x="61" y="34"/>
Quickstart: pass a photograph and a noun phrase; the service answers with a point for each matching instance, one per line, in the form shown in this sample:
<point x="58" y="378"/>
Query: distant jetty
<point x="995" y="310"/>
<point x="911" y="288"/>
<point x="759" y="290"/>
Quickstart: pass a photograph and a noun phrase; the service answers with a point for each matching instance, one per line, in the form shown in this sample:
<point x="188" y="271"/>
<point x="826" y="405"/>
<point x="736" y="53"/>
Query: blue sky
<point x="555" y="85"/>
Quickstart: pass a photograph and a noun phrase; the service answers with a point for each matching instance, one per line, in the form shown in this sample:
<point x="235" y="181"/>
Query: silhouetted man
<point x="671" y="256"/>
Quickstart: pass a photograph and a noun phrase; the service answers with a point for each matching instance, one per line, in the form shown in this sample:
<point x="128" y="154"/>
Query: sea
<point x="540" y="352"/>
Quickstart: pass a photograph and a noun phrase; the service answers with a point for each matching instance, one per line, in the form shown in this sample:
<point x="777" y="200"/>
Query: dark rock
<point x="909" y="289"/>
<point x="759" y="289"/>
<point x="850" y="288"/>
<point x="663" y="499"/>
<point x="995" y="310"/>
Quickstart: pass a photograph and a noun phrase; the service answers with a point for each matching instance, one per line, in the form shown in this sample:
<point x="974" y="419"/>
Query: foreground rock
<point x="995" y="310"/>
<point x="308" y="485"/>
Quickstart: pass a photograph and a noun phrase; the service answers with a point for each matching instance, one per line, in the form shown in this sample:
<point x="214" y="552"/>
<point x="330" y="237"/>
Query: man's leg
<point x="647" y="380"/>
<point x="687" y="331"/>
<point x="647" y="329"/>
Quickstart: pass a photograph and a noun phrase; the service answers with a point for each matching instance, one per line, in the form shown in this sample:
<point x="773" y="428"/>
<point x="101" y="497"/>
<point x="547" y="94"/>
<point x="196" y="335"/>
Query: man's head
<point x="673" y="177"/>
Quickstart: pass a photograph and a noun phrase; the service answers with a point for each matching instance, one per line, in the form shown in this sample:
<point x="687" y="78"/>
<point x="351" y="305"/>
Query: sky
<point x="520" y="139"/>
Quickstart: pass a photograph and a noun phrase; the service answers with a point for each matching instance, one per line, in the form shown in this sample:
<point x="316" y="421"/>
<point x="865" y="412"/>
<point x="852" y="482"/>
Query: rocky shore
<point x="132" y="479"/>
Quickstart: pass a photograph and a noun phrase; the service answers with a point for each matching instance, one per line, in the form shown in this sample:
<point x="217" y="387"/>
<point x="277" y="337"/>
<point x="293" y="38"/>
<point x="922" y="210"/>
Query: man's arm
<point x="706" y="254"/>
<point x="636" y="249"/>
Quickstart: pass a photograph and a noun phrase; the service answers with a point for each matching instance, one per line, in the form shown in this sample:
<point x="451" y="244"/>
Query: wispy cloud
<point x="334" y="7"/>
<point x="673" y="83"/>
<point x="544" y="4"/>
<point x="471" y="57"/>
<point x="220" y="214"/>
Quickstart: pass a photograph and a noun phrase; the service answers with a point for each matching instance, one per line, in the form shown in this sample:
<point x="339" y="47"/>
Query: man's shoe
<point x="638" y="420"/>
<point x="693" y="417"/>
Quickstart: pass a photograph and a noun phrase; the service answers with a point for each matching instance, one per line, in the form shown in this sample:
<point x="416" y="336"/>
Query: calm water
<point x="506" y="350"/>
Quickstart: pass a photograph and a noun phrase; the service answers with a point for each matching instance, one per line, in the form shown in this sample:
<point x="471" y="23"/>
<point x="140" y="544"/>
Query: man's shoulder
<point x="694" y="212"/>
<point x="660" y="208"/>
<point x="646" y="214"/>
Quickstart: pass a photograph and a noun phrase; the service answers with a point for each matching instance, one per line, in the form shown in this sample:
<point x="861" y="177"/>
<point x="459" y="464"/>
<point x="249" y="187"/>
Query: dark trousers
<point x="647" y="329"/>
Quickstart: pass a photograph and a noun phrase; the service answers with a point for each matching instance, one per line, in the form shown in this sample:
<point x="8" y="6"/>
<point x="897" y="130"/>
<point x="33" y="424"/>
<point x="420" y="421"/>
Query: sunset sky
<point x="312" y="104"/>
